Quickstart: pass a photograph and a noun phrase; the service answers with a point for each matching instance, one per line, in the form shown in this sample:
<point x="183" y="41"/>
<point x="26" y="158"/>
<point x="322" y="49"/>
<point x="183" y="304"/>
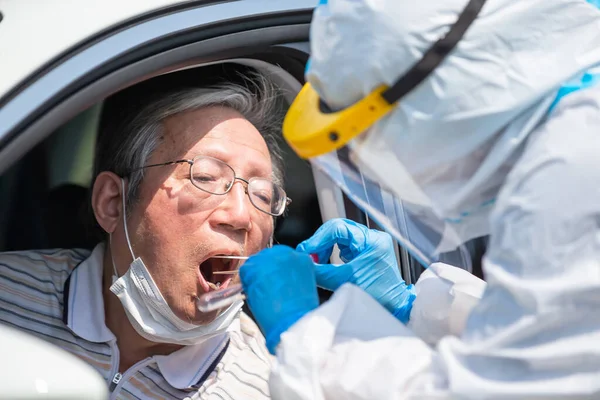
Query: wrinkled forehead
<point x="216" y="131"/>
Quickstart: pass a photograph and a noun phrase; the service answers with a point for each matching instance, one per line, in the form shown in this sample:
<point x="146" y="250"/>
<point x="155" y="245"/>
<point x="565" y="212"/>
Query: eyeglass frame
<point x="288" y="201"/>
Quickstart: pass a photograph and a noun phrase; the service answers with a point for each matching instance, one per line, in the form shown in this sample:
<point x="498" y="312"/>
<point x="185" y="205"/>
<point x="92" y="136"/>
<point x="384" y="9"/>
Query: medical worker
<point x="476" y="118"/>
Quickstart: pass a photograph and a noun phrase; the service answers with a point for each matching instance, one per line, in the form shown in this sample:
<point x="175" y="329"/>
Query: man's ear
<point x="106" y="200"/>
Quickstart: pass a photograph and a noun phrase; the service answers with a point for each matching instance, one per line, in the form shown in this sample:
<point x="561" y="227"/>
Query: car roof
<point x="35" y="33"/>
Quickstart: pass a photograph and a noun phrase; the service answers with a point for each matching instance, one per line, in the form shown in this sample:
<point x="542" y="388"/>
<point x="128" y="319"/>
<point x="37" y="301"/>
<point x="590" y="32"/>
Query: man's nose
<point x="235" y="210"/>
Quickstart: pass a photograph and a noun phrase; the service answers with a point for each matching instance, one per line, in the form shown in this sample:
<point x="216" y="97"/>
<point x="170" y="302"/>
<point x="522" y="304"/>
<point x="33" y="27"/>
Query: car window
<point x="70" y="150"/>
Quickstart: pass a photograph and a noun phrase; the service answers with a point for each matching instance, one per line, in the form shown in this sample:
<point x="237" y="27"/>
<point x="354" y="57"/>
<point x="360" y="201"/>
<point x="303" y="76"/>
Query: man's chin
<point x="206" y="318"/>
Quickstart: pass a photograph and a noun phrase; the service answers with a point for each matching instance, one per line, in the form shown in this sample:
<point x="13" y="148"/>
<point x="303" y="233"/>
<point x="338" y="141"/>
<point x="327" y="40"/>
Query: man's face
<point x="175" y="227"/>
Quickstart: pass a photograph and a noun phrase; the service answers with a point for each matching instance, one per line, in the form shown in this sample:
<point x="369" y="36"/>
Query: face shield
<point x="392" y="196"/>
<point x="416" y="226"/>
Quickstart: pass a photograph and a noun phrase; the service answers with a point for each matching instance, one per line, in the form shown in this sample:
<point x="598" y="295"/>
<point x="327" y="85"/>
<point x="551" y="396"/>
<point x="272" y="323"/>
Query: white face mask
<point x="148" y="311"/>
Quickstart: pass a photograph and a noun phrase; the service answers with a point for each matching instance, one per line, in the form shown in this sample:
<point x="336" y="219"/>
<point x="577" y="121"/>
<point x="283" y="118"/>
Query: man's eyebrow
<point x="253" y="171"/>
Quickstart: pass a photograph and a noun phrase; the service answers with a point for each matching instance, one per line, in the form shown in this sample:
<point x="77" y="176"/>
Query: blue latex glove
<point x="370" y="263"/>
<point x="280" y="289"/>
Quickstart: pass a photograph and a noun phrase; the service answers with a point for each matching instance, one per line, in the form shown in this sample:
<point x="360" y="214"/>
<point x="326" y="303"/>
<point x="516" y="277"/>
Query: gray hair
<point x="129" y="144"/>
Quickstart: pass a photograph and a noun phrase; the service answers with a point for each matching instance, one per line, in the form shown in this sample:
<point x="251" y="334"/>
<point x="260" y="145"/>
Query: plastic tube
<point x="222" y="298"/>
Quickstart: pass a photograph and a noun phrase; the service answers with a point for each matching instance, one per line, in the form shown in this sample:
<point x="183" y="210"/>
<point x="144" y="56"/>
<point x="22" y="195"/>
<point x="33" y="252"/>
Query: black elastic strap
<point x="435" y="55"/>
<point x="66" y="293"/>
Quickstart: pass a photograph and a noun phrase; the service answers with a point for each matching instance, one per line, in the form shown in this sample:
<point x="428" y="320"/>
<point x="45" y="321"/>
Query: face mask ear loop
<point x="125" y="220"/>
<point x="112" y="257"/>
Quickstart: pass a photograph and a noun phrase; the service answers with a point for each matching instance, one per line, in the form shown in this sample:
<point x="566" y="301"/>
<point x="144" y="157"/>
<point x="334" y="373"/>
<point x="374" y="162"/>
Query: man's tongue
<point x="215" y="281"/>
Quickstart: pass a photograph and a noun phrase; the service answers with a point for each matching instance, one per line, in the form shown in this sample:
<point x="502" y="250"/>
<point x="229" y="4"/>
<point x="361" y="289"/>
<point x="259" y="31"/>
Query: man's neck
<point x="133" y="348"/>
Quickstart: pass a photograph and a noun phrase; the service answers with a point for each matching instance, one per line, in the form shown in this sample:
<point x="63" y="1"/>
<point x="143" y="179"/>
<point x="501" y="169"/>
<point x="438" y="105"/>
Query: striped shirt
<point x="57" y="296"/>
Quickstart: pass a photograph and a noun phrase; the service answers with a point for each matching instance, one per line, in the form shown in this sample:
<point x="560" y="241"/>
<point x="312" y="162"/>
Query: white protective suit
<point x="535" y="332"/>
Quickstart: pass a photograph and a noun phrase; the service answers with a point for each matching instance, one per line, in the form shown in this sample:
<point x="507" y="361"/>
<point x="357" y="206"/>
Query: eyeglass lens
<point x="216" y="177"/>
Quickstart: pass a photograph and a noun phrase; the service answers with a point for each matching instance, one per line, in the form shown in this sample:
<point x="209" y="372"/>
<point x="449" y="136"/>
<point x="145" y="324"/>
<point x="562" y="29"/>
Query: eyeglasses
<point x="214" y="176"/>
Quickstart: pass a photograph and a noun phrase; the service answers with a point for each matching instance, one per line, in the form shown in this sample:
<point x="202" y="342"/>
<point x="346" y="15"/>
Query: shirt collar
<point x="84" y="310"/>
<point x="84" y="315"/>
<point x="188" y="366"/>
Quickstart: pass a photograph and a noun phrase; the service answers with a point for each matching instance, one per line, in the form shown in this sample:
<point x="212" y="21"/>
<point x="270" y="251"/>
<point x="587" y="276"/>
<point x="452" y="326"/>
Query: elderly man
<point x="181" y="175"/>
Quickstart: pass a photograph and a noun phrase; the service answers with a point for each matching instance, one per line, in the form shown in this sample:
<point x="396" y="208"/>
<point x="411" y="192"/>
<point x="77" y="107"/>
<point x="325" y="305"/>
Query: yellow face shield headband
<point x="312" y="130"/>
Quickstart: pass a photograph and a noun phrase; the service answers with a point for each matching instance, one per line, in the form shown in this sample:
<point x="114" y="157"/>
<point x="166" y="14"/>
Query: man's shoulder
<point x="51" y="262"/>
<point x="38" y="273"/>
<point x="32" y="287"/>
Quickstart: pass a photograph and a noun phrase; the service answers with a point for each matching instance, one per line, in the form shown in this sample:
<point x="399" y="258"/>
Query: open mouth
<point x="212" y="276"/>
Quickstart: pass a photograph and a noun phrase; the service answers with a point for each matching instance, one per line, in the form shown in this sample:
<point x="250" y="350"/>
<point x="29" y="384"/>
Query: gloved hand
<point x="280" y="289"/>
<point x="370" y="263"/>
